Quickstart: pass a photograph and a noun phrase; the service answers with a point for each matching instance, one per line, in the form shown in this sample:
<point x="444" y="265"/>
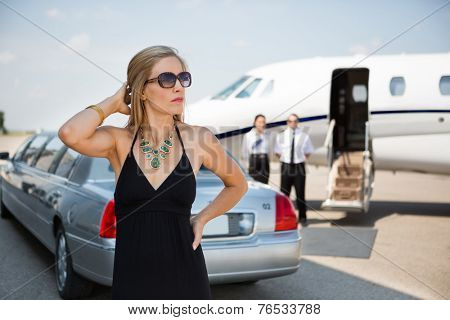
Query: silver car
<point x="67" y="201"/>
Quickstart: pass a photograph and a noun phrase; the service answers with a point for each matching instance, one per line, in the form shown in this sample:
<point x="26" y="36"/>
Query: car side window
<point x="47" y="155"/>
<point x="34" y="148"/>
<point x="66" y="163"/>
<point x="20" y="151"/>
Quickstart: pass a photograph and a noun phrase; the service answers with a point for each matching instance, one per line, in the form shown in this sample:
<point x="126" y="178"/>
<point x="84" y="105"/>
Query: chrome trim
<point x="94" y="244"/>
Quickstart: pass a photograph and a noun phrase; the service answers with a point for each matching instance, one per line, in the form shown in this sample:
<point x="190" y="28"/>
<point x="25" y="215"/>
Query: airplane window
<point x="248" y="90"/>
<point x="444" y="85"/>
<point x="222" y="95"/>
<point x="267" y="90"/>
<point x="359" y="93"/>
<point x="397" y="86"/>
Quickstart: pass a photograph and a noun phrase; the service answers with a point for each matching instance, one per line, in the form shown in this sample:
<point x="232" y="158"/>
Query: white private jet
<point x="382" y="111"/>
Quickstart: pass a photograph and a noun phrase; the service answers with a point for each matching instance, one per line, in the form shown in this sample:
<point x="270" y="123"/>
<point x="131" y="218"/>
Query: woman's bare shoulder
<point x="186" y="126"/>
<point x="192" y="128"/>
<point x="193" y="133"/>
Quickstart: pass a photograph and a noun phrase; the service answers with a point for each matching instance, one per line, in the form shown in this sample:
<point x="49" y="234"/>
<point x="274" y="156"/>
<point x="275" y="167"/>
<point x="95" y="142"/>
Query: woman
<point x="256" y="147"/>
<point x="158" y="253"/>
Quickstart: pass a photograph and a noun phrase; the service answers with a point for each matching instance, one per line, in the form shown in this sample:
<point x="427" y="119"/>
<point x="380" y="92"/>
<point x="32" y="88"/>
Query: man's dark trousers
<point x="295" y="174"/>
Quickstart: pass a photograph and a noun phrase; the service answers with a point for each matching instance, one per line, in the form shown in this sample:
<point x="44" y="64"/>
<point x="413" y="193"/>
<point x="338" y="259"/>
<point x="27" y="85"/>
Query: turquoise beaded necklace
<point x="155" y="155"/>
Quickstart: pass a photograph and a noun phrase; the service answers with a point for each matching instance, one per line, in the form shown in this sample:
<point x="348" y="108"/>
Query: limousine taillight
<point x="286" y="218"/>
<point x="108" y="223"/>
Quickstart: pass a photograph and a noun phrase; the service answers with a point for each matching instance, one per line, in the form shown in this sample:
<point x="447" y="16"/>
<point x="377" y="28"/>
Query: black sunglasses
<point x="168" y="79"/>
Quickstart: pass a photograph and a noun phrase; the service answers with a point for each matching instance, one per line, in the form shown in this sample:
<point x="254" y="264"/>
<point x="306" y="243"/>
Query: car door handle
<point x="53" y="198"/>
<point x="31" y="189"/>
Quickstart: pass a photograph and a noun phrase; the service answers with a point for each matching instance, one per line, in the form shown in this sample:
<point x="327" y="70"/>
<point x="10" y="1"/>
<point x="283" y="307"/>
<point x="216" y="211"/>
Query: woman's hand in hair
<point x="122" y="99"/>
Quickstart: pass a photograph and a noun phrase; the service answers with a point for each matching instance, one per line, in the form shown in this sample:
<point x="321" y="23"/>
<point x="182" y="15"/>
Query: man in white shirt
<point x="293" y="147"/>
<point x="256" y="148"/>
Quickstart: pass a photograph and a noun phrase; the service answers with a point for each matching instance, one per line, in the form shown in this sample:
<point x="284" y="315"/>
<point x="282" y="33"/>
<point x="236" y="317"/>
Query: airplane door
<point x="350" y="147"/>
<point x="349" y="108"/>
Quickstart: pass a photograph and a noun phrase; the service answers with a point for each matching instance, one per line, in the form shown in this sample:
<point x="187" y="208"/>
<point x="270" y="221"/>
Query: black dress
<point x="154" y="258"/>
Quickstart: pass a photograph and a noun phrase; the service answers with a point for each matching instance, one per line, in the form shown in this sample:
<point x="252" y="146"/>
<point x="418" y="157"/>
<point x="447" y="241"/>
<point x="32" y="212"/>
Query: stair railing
<point x="329" y="142"/>
<point x="329" y="145"/>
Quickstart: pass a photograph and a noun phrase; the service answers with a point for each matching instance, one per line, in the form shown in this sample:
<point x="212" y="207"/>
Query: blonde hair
<point x="139" y="70"/>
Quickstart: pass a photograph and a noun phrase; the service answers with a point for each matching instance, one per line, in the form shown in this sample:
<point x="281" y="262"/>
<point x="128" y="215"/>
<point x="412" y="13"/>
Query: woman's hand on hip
<point x="197" y="226"/>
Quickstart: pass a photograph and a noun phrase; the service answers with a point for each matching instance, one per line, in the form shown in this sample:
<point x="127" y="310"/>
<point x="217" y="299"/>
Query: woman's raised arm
<point x="83" y="134"/>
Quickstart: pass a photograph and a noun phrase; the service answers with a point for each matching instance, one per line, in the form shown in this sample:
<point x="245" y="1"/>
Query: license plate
<point x="216" y="226"/>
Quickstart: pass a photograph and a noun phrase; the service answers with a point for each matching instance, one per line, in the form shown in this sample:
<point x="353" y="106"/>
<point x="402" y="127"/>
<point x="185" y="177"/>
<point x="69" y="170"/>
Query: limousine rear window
<point x="101" y="170"/>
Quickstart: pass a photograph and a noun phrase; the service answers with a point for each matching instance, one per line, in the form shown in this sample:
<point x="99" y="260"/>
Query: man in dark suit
<point x="293" y="147"/>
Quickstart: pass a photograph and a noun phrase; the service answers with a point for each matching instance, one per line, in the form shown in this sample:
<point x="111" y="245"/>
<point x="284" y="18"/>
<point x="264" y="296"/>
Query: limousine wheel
<point x="4" y="212"/>
<point x="70" y="285"/>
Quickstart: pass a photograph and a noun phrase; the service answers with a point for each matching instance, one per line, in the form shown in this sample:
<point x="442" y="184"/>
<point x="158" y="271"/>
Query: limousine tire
<point x="4" y="212"/>
<point x="70" y="285"/>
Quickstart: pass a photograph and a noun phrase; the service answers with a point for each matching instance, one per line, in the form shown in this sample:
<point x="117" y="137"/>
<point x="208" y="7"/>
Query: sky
<point x="43" y="83"/>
